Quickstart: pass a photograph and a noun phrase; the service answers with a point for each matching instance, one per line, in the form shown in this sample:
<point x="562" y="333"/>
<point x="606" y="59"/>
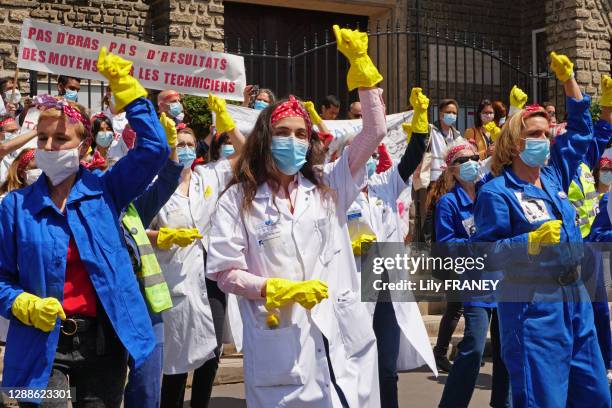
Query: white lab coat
<point x="189" y="333"/>
<point x="377" y="214"/>
<point x="216" y="177"/>
<point x="287" y="366"/>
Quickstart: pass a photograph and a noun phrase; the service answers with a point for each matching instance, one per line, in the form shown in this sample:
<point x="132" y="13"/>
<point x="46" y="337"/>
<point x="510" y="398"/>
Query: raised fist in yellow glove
<point x="314" y="115"/>
<point x="223" y="120"/>
<point x="546" y="234"/>
<point x="35" y="311"/>
<point x="308" y="293"/>
<point x="361" y="239"/>
<point x="354" y="45"/>
<point x="181" y="237"/>
<point x="420" y="103"/>
<point x="170" y="129"/>
<point x="561" y="66"/>
<point x="493" y="131"/>
<point x="125" y="88"/>
<point x="518" y="98"/>
<point x="606" y="91"/>
<point x="408" y="130"/>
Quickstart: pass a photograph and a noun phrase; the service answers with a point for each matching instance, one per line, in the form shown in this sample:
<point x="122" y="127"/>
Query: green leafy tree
<point x="197" y="114"/>
<point x="595" y="110"/>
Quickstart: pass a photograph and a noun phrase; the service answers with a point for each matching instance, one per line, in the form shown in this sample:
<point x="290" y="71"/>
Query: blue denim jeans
<point x="464" y="373"/>
<point x="387" y="333"/>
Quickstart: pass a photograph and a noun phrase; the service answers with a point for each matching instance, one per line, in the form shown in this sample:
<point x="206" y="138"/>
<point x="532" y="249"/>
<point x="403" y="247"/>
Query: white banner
<point x="395" y="141"/>
<point x="69" y="51"/>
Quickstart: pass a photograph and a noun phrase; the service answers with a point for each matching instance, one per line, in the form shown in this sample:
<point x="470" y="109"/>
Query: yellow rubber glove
<point x="116" y="70"/>
<point x="361" y="239"/>
<point x="408" y="130"/>
<point x="272" y="320"/>
<point x="308" y="293"/>
<point x="35" y="311"/>
<point x="181" y="237"/>
<point x="354" y="45"/>
<point x="223" y="120"/>
<point x="420" y="103"/>
<point x="170" y="129"/>
<point x="547" y="233"/>
<point x="518" y="98"/>
<point x="492" y="129"/>
<point x="314" y="115"/>
<point x="606" y="91"/>
<point x="561" y="66"/>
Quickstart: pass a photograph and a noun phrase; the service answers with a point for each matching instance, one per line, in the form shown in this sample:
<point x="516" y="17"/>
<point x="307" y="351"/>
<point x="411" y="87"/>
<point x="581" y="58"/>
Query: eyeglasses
<point x="465" y="159"/>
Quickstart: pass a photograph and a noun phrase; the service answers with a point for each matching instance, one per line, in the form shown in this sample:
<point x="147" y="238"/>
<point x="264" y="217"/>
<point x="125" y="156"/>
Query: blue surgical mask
<point x="371" y="166"/>
<point x="227" y="150"/>
<point x="289" y="153"/>
<point x="605" y="177"/>
<point x="502" y="120"/>
<point x="186" y="156"/>
<point x="71" y="95"/>
<point x="450" y="119"/>
<point x="468" y="171"/>
<point x="536" y="153"/>
<point x="175" y="109"/>
<point x="260" y="105"/>
<point x="104" y="139"/>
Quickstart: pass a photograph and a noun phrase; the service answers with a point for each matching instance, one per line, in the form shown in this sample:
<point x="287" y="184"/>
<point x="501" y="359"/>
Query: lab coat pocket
<point x="351" y="315"/>
<point x="275" y="357"/>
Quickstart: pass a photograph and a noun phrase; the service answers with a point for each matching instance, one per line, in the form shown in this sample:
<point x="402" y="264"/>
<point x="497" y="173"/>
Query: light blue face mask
<point x="175" y="109"/>
<point x="450" y="119"/>
<point x="186" y="156"/>
<point x="468" y="171"/>
<point x="104" y="139"/>
<point x="370" y="166"/>
<point x="71" y="95"/>
<point x="227" y="150"/>
<point x="536" y="153"/>
<point x="260" y="105"/>
<point x="605" y="177"/>
<point x="289" y="153"/>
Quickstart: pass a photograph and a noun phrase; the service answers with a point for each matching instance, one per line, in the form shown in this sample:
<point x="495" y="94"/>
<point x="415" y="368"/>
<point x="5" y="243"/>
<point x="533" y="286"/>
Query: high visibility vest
<point x="156" y="290"/>
<point x="584" y="199"/>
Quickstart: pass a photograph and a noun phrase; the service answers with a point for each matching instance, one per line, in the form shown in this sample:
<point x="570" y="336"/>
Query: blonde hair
<point x="54" y="113"/>
<point x="13" y="181"/>
<point x="507" y="145"/>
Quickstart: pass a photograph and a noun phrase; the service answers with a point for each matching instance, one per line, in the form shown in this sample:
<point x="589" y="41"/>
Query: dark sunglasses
<point x="465" y="159"/>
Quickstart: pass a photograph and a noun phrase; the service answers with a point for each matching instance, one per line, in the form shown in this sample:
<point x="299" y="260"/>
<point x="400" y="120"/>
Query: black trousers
<point x="173" y="386"/>
<point x="448" y="324"/>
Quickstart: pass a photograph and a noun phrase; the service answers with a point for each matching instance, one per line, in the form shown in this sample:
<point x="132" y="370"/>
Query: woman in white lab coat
<point x="189" y="334"/>
<point x="401" y="336"/>
<point x="279" y="240"/>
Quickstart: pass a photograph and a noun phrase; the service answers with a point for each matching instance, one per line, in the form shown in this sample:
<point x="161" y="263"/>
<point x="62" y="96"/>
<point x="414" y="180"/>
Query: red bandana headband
<point x="26" y="158"/>
<point x="531" y="109"/>
<point x="291" y="108"/>
<point x="7" y="121"/>
<point x="450" y="157"/>
<point x="605" y="162"/>
<point x="44" y="102"/>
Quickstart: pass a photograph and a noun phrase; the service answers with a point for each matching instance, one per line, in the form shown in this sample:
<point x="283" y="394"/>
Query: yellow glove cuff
<point x="362" y="73"/>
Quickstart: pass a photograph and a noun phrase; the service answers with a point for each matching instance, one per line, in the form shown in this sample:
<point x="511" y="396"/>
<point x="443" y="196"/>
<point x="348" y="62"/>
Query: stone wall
<point x="197" y="24"/>
<point x="582" y="29"/>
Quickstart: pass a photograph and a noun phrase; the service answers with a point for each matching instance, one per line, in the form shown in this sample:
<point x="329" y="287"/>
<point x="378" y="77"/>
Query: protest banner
<point x="395" y="141"/>
<point x="58" y="49"/>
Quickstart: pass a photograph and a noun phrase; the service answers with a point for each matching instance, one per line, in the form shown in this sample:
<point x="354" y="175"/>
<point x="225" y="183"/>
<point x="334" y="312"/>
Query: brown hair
<point x="13" y="180"/>
<point x="507" y="145"/>
<point x="256" y="165"/>
<point x="500" y="110"/>
<point x="53" y="113"/>
<point x="445" y="102"/>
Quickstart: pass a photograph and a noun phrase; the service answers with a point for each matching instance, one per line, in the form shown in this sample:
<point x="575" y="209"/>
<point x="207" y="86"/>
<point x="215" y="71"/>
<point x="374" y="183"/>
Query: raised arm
<point x="224" y="122"/>
<point x="134" y="172"/>
<point x="16" y="143"/>
<point x="417" y="132"/>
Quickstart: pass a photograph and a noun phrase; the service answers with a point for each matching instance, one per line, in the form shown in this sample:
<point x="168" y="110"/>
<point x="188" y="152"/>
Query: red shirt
<point x="79" y="293"/>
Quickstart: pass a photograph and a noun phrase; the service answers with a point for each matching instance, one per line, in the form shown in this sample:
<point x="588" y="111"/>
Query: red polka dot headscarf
<point x="292" y="108"/>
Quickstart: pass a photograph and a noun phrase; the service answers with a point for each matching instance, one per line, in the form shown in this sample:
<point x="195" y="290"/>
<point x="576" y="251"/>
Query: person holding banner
<point x="548" y="338"/>
<point x="63" y="256"/>
<point x="279" y="240"/>
<point x="373" y="217"/>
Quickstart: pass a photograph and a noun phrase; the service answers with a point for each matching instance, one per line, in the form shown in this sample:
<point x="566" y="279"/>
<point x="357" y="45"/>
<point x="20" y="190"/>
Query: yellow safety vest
<point x="584" y="199"/>
<point x="156" y="290"/>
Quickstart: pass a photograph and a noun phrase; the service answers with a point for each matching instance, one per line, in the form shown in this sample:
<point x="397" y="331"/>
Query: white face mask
<point x="12" y="98"/>
<point x="58" y="165"/>
<point x="32" y="175"/>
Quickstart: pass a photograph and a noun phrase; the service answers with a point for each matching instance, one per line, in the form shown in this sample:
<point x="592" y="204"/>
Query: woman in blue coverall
<point x="454" y="223"/>
<point x="548" y="339"/>
<point x="73" y="211"/>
